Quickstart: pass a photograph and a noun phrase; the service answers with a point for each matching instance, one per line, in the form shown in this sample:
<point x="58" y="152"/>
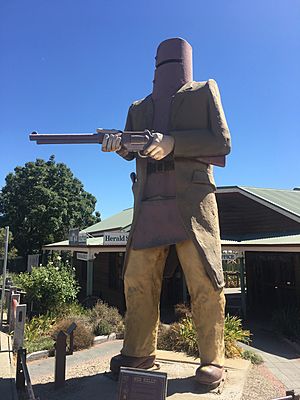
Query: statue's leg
<point x="142" y="285"/>
<point x="208" y="309"/>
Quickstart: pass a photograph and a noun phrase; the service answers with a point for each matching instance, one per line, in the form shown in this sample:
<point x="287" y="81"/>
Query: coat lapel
<point x="178" y="99"/>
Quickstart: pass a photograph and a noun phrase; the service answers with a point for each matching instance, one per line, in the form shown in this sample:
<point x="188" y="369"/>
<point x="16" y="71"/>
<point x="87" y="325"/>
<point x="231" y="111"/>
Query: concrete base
<point x="182" y="385"/>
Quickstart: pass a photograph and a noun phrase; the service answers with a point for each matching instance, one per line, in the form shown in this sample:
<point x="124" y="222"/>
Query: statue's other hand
<point x="111" y="142"/>
<point x="160" y="147"/>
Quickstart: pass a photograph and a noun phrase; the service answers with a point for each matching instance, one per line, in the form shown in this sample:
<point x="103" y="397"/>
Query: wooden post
<point x="4" y="274"/>
<point x="19" y="327"/>
<point x="242" y="280"/>
<point x="70" y="332"/>
<point x="20" y="377"/>
<point x="14" y="301"/>
<point x="60" y="359"/>
<point x="89" y="283"/>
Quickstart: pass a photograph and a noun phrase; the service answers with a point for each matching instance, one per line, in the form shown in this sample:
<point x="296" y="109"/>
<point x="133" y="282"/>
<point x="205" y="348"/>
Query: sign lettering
<point x="115" y="238"/>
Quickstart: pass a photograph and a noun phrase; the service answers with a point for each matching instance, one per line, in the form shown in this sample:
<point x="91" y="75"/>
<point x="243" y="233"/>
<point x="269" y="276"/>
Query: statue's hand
<point x="111" y="142"/>
<point x="161" y="146"/>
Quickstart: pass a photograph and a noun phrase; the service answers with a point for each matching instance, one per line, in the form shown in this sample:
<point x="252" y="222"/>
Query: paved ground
<point x="7" y="369"/>
<point x="262" y="385"/>
<point x="281" y="359"/>
<point x="86" y="373"/>
<point x="86" y="378"/>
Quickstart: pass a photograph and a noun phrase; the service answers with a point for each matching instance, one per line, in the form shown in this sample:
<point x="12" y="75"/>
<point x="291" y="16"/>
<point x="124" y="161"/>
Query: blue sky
<point x="75" y="65"/>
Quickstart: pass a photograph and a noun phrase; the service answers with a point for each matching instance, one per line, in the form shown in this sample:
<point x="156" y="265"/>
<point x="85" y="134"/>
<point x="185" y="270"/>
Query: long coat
<point x="198" y="125"/>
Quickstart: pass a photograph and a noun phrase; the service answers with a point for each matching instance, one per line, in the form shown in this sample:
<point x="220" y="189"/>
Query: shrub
<point x="42" y="343"/>
<point x="37" y="332"/>
<point x="182" y="311"/>
<point x="233" y="333"/>
<point x="287" y="321"/>
<point x="168" y="337"/>
<point x="250" y="355"/>
<point x="181" y="336"/>
<point x="105" y="319"/>
<point x="83" y="334"/>
<point x="38" y="327"/>
<point x="49" y="287"/>
<point x="68" y="310"/>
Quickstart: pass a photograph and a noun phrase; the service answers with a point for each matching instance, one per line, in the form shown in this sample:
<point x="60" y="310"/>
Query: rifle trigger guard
<point x="150" y="138"/>
<point x="142" y="155"/>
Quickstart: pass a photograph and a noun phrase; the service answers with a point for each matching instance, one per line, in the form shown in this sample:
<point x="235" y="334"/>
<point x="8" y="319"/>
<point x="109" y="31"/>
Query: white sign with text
<point x="115" y="238"/>
<point x="82" y="256"/>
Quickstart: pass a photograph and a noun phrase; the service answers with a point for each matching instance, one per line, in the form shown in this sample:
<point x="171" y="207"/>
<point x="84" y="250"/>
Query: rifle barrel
<point x="72" y="138"/>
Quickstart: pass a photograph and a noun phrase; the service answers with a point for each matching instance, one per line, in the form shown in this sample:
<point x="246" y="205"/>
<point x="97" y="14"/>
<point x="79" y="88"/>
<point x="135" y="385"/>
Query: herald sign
<point x="115" y="238"/>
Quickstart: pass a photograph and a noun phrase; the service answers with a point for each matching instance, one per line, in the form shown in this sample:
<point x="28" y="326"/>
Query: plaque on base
<point x="139" y="384"/>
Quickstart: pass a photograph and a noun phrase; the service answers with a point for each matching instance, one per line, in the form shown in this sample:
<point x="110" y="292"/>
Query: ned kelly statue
<point x="175" y="204"/>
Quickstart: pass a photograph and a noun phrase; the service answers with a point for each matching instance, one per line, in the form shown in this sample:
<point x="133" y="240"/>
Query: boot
<point x="127" y="361"/>
<point x="209" y="375"/>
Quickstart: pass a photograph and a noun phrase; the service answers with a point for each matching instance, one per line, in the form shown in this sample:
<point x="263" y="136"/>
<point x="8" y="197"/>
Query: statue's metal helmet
<point x="172" y="51"/>
<point x="174" y="66"/>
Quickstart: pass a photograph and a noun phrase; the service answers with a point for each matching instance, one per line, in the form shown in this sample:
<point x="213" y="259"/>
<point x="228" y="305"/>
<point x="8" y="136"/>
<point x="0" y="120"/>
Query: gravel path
<point x="262" y="385"/>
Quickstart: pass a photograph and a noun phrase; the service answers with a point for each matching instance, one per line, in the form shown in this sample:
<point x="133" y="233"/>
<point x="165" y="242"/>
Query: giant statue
<point x="175" y="204"/>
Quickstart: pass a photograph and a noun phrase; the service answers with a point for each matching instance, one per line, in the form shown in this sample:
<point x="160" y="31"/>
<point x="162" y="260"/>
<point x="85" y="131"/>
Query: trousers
<point x="142" y="284"/>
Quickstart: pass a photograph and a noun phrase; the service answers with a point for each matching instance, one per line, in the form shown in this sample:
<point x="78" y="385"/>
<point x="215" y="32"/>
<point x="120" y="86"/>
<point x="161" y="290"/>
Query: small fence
<point x="61" y="352"/>
<point x="23" y="382"/>
<point x="289" y="395"/>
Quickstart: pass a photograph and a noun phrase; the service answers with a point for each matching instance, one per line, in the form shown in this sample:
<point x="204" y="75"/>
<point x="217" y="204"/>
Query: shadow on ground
<point x="100" y="386"/>
<point x="185" y="385"/>
<point x="264" y="339"/>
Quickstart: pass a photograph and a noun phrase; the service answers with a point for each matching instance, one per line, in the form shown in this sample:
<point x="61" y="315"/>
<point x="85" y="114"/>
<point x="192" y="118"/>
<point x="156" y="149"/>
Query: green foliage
<point x="250" y="355"/>
<point x="234" y="332"/>
<point x="41" y="201"/>
<point x="49" y="287"/>
<point x="101" y="320"/>
<point x="15" y="277"/>
<point x="181" y="336"/>
<point x="37" y="332"/>
<point x="105" y="319"/>
<point x="83" y="334"/>
<point x="12" y="251"/>
<point x="38" y="326"/>
<point x="71" y="309"/>
<point x="287" y="321"/>
<point x="41" y="343"/>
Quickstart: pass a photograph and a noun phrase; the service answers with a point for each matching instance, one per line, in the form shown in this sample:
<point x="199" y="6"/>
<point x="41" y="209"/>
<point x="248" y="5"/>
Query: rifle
<point x="133" y="141"/>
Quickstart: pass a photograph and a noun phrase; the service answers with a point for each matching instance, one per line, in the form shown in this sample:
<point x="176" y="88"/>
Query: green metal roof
<point x="288" y="200"/>
<point x="275" y="241"/>
<point x="122" y="220"/>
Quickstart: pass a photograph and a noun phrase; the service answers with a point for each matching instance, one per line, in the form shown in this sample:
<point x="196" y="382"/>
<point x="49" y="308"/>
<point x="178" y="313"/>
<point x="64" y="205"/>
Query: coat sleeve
<point x="213" y="141"/>
<point x="128" y="127"/>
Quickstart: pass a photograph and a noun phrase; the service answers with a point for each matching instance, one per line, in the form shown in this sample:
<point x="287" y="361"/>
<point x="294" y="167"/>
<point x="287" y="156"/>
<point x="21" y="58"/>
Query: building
<point x="260" y="226"/>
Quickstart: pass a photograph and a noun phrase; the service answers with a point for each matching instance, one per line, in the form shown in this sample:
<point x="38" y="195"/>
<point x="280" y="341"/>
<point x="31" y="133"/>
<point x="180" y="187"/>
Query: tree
<point x="41" y="201"/>
<point x="12" y="252"/>
<point x="49" y="287"/>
